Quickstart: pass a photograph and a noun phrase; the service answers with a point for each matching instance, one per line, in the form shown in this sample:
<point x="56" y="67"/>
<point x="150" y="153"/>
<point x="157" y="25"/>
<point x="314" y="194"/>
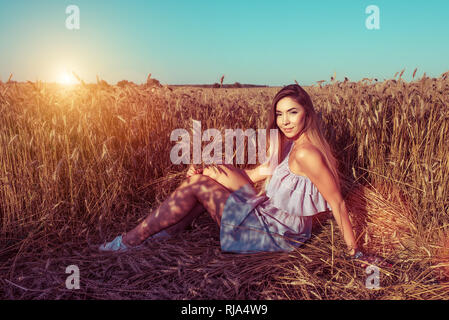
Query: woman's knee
<point x="196" y="179"/>
<point x="230" y="177"/>
<point x="215" y="171"/>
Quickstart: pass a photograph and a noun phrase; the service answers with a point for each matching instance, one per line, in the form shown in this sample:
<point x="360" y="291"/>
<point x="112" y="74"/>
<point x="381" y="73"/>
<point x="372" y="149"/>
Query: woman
<point x="304" y="183"/>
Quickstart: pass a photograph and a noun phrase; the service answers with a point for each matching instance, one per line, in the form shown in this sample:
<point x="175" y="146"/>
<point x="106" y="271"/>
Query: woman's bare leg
<point x="227" y="175"/>
<point x="187" y="220"/>
<point x="210" y="189"/>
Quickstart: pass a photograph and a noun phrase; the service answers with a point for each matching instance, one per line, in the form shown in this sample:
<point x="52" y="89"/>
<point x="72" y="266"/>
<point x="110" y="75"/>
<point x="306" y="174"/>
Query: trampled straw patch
<point x="441" y="256"/>
<point x="381" y="218"/>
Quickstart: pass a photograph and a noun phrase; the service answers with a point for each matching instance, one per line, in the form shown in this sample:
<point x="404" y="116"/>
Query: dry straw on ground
<point x="80" y="165"/>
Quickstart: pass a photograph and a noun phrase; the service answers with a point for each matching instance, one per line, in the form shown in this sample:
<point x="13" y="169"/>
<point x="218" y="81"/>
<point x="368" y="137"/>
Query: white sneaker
<point x="118" y="245"/>
<point x="115" y="245"/>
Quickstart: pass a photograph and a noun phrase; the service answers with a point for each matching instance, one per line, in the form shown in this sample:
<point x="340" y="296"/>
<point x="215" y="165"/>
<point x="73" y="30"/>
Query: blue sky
<point x="192" y="42"/>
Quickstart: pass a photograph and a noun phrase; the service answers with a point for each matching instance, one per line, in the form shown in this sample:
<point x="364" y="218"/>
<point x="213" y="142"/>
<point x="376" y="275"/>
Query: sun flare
<point x="66" y="79"/>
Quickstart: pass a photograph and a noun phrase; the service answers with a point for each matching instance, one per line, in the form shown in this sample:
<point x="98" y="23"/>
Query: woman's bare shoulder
<point x="308" y="160"/>
<point x="306" y="149"/>
<point x="307" y="152"/>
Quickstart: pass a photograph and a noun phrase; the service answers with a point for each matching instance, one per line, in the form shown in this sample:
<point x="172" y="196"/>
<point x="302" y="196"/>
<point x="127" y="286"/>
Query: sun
<point x="66" y="78"/>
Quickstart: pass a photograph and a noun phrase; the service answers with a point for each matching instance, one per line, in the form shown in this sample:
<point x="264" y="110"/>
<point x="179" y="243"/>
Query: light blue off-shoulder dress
<point x="278" y="220"/>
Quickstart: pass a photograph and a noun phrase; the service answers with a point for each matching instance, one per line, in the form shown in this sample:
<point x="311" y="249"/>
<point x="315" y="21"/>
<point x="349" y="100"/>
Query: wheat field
<point x="81" y="164"/>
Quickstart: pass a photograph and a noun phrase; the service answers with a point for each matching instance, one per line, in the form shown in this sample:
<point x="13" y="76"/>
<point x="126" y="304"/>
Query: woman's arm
<point x="264" y="170"/>
<point x="341" y="216"/>
<point x="315" y="168"/>
<point x="258" y="173"/>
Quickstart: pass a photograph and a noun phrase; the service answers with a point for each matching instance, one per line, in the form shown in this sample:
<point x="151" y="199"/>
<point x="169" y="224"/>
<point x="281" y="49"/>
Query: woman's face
<point x="290" y="117"/>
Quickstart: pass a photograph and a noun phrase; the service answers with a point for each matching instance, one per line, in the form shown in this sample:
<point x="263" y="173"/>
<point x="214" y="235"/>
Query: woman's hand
<point x="364" y="260"/>
<point x="192" y="171"/>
